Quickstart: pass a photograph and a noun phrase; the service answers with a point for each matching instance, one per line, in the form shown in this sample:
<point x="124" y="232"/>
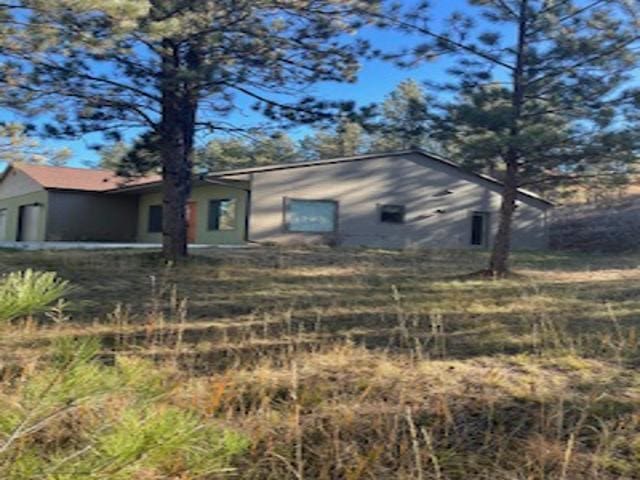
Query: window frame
<point x="403" y="212"/>
<point x="486" y="225"/>
<point x="286" y="203"/>
<point x="150" y="218"/>
<point x="235" y="214"/>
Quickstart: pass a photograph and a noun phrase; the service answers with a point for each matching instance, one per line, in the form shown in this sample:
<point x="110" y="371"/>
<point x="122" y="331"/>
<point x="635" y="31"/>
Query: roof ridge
<point x="62" y="167"/>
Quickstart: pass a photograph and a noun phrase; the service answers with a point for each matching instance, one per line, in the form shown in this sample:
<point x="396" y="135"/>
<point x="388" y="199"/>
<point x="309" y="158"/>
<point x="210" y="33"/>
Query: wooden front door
<point x="192" y="223"/>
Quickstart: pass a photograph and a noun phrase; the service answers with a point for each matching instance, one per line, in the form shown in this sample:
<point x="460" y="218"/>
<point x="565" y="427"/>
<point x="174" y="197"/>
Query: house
<point x="394" y="200"/>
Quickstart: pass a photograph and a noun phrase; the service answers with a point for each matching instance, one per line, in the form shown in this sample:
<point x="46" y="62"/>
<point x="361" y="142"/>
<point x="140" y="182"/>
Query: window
<point x="222" y="214"/>
<point x="392" y="213"/>
<point x="3" y="224"/>
<point x="311" y="216"/>
<point x="479" y="228"/>
<point x="155" y="219"/>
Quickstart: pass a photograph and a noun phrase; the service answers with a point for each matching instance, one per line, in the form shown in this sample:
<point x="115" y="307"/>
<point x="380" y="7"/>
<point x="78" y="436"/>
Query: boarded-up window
<point x="155" y="219"/>
<point x="3" y="224"/>
<point x="311" y="216"/>
<point x="222" y="214"/>
<point x="479" y="228"/>
<point x="392" y="213"/>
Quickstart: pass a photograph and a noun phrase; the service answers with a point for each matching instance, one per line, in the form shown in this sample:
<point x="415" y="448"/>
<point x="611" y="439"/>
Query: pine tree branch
<point x="455" y="45"/>
<point x="574" y="14"/>
<point x="586" y="61"/>
<point x="272" y="102"/>
<point x="502" y="4"/>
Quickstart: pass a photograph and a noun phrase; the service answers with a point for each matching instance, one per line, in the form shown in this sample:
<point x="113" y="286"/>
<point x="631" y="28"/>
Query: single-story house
<point x="395" y="200"/>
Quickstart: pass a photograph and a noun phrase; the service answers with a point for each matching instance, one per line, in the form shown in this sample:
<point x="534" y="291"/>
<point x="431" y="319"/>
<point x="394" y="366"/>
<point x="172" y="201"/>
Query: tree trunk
<point x="177" y="132"/>
<point x="176" y="175"/>
<point x="499" y="262"/>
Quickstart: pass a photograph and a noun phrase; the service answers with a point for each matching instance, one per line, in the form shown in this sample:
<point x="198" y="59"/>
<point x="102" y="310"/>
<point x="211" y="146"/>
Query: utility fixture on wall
<point x="443" y="193"/>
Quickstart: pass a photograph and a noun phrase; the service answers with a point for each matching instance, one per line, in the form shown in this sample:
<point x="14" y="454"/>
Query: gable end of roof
<point x="372" y="156"/>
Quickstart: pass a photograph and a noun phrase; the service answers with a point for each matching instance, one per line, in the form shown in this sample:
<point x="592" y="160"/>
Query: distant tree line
<point x="403" y="121"/>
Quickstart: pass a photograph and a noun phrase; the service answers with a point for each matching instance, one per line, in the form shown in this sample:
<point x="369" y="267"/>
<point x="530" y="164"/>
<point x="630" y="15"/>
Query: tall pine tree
<point x="536" y="79"/>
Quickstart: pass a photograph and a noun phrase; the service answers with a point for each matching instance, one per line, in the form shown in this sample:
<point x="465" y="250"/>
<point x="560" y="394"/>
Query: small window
<point x="222" y="214"/>
<point x="479" y="228"/>
<point x="155" y="219"/>
<point x="392" y="213"/>
<point x="3" y="224"/>
<point x="311" y="216"/>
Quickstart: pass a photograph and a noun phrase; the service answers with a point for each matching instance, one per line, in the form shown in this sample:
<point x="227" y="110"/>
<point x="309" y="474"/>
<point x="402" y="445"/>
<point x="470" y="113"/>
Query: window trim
<point x="403" y="209"/>
<point x="149" y="229"/>
<point x="235" y="214"/>
<point x="486" y="228"/>
<point x="286" y="202"/>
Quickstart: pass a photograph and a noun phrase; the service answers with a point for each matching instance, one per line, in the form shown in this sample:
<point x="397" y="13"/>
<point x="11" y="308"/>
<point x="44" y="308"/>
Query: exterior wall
<point x="13" y="204"/>
<point x="201" y="195"/>
<point x="91" y="217"/>
<point x="16" y="184"/>
<point x="433" y="218"/>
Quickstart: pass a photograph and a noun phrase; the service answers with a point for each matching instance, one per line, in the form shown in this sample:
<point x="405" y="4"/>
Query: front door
<point x="192" y="223"/>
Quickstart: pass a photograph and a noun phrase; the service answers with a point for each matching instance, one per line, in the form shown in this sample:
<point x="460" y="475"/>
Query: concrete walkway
<point x="98" y="246"/>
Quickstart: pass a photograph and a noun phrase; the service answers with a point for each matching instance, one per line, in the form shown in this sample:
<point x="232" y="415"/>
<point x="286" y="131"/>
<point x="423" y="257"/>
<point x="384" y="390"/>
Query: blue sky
<point x="376" y="80"/>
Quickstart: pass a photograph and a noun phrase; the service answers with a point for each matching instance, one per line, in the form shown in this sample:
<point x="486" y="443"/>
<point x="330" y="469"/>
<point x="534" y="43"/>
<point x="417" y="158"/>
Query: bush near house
<point x="324" y="364"/>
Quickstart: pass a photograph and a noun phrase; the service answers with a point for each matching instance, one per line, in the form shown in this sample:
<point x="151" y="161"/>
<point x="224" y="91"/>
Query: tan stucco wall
<point x="361" y="187"/>
<point x="13" y="204"/>
<point x="201" y="195"/>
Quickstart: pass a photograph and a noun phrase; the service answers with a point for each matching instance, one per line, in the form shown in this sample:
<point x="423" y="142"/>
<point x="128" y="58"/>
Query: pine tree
<point x="346" y="139"/>
<point x="169" y="68"/>
<point x="16" y="145"/>
<point x="235" y="152"/>
<point x="542" y="81"/>
<point x="113" y="155"/>
<point x="404" y="119"/>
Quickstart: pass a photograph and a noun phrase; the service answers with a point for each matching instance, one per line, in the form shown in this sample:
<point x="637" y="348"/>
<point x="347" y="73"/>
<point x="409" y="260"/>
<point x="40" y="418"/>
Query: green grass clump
<point x="25" y="293"/>
<point x="76" y="418"/>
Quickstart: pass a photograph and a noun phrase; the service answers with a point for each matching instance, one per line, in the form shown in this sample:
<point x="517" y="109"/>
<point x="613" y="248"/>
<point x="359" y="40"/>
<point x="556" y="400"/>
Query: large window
<point x="155" y="219"/>
<point x="3" y="224"/>
<point x="222" y="214"/>
<point x="479" y="228"/>
<point x="311" y="216"/>
<point x="392" y="213"/>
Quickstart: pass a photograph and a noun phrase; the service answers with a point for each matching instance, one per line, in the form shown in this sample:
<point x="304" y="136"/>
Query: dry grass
<point x="363" y="364"/>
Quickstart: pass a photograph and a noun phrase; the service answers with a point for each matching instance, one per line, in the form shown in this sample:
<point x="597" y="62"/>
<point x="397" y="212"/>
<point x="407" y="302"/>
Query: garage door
<point x="29" y="223"/>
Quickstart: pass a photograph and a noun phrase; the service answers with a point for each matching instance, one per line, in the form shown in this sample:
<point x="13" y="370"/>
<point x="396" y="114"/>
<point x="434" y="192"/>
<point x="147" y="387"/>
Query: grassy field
<point x="370" y="364"/>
